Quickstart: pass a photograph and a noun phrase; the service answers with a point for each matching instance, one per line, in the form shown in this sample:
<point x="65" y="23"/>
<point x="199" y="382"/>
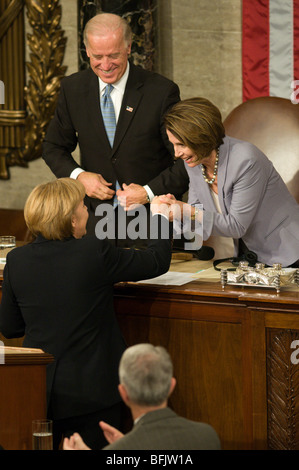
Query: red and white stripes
<point x="270" y="47"/>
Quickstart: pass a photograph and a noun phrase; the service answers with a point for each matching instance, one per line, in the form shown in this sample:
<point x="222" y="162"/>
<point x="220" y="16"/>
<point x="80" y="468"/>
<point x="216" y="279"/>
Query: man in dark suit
<point x="146" y="382"/>
<point x="140" y="160"/>
<point x="58" y="292"/>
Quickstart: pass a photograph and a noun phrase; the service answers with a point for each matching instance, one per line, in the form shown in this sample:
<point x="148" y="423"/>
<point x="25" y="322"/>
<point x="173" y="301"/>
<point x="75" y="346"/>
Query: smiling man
<point x="108" y="46"/>
<point x="138" y="163"/>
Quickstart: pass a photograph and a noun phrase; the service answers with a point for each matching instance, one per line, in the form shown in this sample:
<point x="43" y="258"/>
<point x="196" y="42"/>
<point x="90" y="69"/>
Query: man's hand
<point x="111" y="434"/>
<point x="75" y="442"/>
<point x="131" y="195"/>
<point x="96" y="186"/>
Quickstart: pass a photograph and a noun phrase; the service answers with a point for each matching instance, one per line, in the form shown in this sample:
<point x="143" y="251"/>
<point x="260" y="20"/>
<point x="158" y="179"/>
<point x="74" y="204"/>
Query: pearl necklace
<point x="211" y="181"/>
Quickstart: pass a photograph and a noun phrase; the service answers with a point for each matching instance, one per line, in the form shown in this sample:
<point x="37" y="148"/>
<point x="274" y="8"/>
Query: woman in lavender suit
<point x="242" y="195"/>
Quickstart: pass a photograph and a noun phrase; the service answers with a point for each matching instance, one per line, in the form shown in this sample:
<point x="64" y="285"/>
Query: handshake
<point x="133" y="195"/>
<point x="172" y="208"/>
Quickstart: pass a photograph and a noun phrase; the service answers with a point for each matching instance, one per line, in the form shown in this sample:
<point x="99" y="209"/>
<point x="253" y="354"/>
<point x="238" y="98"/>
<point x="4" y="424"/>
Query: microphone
<point x="205" y="253"/>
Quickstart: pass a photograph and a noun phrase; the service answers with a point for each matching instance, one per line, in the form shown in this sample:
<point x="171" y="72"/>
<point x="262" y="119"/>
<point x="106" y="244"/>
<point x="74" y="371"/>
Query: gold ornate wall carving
<point x="140" y="14"/>
<point x="28" y="108"/>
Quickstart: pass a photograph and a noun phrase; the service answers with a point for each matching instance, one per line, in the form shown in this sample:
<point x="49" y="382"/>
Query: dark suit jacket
<point x="165" y="430"/>
<point x="141" y="150"/>
<point x="60" y="295"/>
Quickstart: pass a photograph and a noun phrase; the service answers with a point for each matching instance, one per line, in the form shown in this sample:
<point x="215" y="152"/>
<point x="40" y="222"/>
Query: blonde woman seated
<point x="242" y="194"/>
<point x="58" y="293"/>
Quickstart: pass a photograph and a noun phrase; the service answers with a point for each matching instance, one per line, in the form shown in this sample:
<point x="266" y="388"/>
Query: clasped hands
<point x="97" y="187"/>
<point x="131" y="196"/>
<point x="175" y="209"/>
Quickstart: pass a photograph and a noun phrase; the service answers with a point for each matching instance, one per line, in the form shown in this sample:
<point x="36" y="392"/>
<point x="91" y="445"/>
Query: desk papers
<point x="170" y="278"/>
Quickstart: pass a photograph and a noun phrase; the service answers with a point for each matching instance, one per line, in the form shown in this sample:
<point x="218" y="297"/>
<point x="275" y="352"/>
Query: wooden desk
<point x="231" y="350"/>
<point x="22" y="396"/>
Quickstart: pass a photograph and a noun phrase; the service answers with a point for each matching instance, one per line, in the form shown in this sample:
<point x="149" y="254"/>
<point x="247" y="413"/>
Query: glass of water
<point x="42" y="434"/>
<point x="7" y="241"/>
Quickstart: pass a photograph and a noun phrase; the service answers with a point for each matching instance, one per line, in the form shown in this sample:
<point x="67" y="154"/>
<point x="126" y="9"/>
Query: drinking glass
<point x="7" y="241"/>
<point x="42" y="434"/>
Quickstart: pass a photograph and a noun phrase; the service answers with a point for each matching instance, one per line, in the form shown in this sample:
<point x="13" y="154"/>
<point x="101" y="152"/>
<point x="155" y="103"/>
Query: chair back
<point x="272" y="124"/>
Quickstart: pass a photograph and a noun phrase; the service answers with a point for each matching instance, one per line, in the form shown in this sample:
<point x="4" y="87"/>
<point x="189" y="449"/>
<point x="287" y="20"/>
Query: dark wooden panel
<point x="209" y="358"/>
<point x="283" y="390"/>
<point x="16" y="342"/>
<point x="257" y="370"/>
<point x="22" y="398"/>
<point x="12" y="222"/>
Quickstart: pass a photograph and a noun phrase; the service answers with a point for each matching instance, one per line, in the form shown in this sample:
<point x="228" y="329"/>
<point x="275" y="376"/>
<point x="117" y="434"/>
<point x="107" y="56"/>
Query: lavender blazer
<point x="255" y="203"/>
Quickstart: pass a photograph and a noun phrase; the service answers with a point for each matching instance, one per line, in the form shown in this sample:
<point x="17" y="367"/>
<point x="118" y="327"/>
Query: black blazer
<point x="59" y="294"/>
<point x="141" y="150"/>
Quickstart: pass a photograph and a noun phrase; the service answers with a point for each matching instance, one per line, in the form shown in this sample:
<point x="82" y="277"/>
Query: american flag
<point x="270" y="48"/>
<point x="128" y="108"/>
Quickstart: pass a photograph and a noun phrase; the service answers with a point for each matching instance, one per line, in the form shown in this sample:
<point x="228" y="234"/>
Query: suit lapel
<point x="130" y="103"/>
<point x="203" y="189"/>
<point x="131" y="100"/>
<point x="222" y="181"/>
<point x="222" y="175"/>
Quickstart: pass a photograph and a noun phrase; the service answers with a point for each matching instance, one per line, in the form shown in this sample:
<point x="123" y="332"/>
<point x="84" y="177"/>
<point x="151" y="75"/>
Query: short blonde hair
<point x="102" y="23"/>
<point x="196" y="123"/>
<point x="49" y="208"/>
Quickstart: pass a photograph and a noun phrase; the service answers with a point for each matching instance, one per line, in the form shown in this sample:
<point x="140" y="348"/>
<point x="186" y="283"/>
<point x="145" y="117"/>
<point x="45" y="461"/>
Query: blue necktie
<point x="110" y="123"/>
<point x="108" y="113"/>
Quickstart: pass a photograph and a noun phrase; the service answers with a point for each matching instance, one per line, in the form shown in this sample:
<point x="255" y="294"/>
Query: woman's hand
<point x="177" y="209"/>
<point x="159" y="207"/>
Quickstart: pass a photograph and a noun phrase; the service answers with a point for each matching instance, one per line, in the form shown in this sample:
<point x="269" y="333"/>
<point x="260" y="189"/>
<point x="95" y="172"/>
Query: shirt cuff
<point x="163" y="215"/>
<point x="76" y="172"/>
<point x="149" y="192"/>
